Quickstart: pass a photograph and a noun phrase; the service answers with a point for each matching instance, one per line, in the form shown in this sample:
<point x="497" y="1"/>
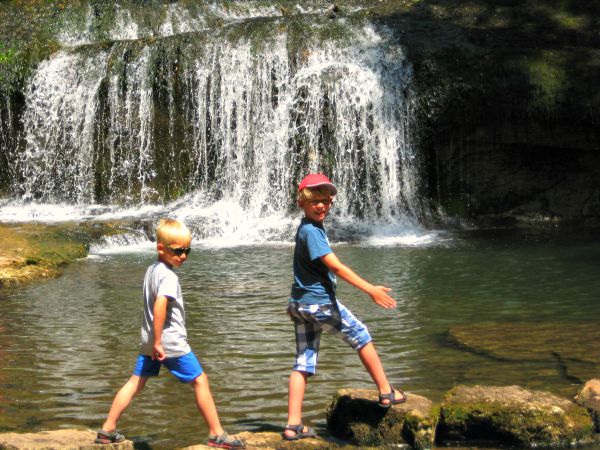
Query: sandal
<point x="300" y="433"/>
<point x="225" y="441"/>
<point x="391" y="397"/>
<point x="108" y="437"/>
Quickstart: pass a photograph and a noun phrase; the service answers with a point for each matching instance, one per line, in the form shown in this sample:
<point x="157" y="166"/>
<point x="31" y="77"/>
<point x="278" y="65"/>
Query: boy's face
<point x="174" y="254"/>
<point x="317" y="208"/>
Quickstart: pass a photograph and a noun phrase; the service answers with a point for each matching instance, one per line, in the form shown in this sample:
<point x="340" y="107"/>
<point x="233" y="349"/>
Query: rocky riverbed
<point x="468" y="416"/>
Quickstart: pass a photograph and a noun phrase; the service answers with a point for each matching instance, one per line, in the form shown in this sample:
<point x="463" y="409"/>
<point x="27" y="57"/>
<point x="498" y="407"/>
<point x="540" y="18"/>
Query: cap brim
<point x="331" y="187"/>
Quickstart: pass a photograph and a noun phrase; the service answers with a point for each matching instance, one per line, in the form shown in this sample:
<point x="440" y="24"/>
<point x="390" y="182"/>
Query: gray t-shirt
<point x="161" y="280"/>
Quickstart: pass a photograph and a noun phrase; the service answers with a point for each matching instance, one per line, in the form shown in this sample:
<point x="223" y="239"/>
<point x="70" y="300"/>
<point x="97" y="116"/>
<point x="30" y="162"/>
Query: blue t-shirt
<point x="313" y="282"/>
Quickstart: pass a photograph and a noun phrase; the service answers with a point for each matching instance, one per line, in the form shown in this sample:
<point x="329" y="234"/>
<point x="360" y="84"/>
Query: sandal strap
<point x="113" y="436"/>
<point x="295" y="428"/>
<point x="389" y="396"/>
<point x="224" y="438"/>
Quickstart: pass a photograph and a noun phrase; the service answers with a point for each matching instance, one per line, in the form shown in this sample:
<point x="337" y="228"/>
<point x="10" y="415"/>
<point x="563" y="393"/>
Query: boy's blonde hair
<point x="316" y="192"/>
<point x="171" y="230"/>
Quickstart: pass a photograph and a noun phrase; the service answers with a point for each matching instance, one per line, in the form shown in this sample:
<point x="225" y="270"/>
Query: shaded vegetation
<point x="507" y="111"/>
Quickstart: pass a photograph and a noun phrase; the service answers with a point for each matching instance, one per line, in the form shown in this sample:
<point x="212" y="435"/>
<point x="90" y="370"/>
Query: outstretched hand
<point x="380" y="296"/>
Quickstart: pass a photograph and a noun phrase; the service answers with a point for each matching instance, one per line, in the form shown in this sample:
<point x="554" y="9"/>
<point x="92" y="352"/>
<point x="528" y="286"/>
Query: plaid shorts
<point x="311" y="320"/>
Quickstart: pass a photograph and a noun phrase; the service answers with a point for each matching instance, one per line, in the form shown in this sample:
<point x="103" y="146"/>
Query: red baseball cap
<point x="314" y="180"/>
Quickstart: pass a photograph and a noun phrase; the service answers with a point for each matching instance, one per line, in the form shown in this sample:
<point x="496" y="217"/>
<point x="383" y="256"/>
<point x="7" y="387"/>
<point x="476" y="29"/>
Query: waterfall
<point x="222" y="124"/>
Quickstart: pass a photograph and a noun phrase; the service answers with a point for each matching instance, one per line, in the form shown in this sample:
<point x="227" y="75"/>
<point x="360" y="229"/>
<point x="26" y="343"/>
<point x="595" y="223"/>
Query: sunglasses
<point x="180" y="251"/>
<point x="326" y="202"/>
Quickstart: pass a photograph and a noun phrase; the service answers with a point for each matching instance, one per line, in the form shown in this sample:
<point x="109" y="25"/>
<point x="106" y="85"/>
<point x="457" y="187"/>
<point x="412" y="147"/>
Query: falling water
<point x="220" y="126"/>
<point x="7" y="142"/>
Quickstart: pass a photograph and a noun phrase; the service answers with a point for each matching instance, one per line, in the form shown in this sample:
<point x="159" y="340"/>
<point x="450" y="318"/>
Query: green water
<point x="67" y="345"/>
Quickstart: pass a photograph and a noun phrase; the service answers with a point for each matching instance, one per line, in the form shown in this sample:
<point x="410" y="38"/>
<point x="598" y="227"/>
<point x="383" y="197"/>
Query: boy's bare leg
<point x="122" y="400"/>
<point x="370" y="359"/>
<point x="206" y="404"/>
<point x="297" y="387"/>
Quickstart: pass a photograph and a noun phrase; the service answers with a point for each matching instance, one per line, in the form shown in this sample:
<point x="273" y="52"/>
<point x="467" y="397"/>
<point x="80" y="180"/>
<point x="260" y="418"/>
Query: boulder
<point x="511" y="415"/>
<point x="57" y="440"/>
<point x="355" y="416"/>
<point x="589" y="398"/>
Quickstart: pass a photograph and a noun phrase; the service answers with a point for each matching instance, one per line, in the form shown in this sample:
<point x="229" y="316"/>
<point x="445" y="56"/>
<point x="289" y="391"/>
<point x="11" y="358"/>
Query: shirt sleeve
<point x="168" y="285"/>
<point x="317" y="244"/>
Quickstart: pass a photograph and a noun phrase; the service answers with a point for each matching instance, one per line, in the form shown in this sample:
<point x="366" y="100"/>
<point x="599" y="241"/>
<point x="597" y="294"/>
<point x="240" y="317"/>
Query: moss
<point x="36" y="251"/>
<point x="548" y="77"/>
<point x="501" y="422"/>
<point x="354" y="415"/>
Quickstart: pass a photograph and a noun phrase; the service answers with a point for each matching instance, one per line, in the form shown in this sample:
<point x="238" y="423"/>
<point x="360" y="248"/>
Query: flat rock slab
<point x="355" y="416"/>
<point x="511" y="415"/>
<point x="57" y="440"/>
<point x="273" y="441"/>
<point x="532" y="341"/>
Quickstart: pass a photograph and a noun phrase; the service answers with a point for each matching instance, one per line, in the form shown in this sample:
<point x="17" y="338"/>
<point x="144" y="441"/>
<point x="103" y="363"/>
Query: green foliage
<point x="6" y="54"/>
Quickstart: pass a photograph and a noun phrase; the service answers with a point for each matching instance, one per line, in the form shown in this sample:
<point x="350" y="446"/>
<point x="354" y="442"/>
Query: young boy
<point x="164" y="339"/>
<point x="313" y="305"/>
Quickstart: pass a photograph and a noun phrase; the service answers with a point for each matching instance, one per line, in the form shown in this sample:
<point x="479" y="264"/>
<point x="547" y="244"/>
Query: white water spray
<point x="234" y="122"/>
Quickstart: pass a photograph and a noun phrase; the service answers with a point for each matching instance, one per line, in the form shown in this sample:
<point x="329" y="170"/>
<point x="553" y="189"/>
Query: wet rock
<point x="57" y="440"/>
<point x="34" y="251"/>
<point x="355" y="416"/>
<point x="273" y="441"/>
<point x="511" y="415"/>
<point x="589" y="397"/>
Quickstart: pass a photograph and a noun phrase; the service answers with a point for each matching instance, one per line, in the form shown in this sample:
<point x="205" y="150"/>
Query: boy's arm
<point x="377" y="293"/>
<point x="160" y="315"/>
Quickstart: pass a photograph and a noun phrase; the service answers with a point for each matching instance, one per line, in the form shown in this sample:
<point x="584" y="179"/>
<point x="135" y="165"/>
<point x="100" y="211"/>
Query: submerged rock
<point x="571" y="348"/>
<point x="511" y="415"/>
<point x="57" y="440"/>
<point x="589" y="397"/>
<point x="355" y="416"/>
<point x="532" y="341"/>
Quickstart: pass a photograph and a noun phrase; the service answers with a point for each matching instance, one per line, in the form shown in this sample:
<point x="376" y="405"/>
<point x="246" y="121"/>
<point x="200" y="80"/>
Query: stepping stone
<point x="355" y="416"/>
<point x="511" y="415"/>
<point x="57" y="440"/>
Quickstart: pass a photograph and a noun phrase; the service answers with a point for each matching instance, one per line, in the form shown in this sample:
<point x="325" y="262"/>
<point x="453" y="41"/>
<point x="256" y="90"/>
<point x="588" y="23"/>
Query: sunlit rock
<point x="589" y="397"/>
<point x="274" y="441"/>
<point x="511" y="415"/>
<point x="355" y="416"/>
<point x="58" y="440"/>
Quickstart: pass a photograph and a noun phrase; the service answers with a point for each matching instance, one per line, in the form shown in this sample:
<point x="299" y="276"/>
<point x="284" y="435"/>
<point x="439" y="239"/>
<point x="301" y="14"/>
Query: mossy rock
<point x="354" y="415"/>
<point x="511" y="415"/>
<point x="32" y="251"/>
<point x="589" y="398"/>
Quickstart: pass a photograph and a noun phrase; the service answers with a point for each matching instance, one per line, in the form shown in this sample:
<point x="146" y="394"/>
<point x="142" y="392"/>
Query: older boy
<point x="164" y="339"/>
<point x="313" y="305"/>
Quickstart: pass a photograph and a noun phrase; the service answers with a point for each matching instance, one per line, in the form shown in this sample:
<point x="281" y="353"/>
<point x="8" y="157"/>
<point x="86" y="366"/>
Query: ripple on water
<point x="463" y="309"/>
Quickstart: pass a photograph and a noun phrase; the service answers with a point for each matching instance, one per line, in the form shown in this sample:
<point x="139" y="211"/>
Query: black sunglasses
<point x="180" y="251"/>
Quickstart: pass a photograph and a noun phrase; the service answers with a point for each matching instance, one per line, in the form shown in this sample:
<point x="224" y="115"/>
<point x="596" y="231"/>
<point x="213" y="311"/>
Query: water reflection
<point x="67" y="345"/>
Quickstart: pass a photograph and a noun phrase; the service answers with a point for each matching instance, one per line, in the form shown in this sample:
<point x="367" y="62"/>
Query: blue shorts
<point x="311" y="320"/>
<point x="186" y="368"/>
